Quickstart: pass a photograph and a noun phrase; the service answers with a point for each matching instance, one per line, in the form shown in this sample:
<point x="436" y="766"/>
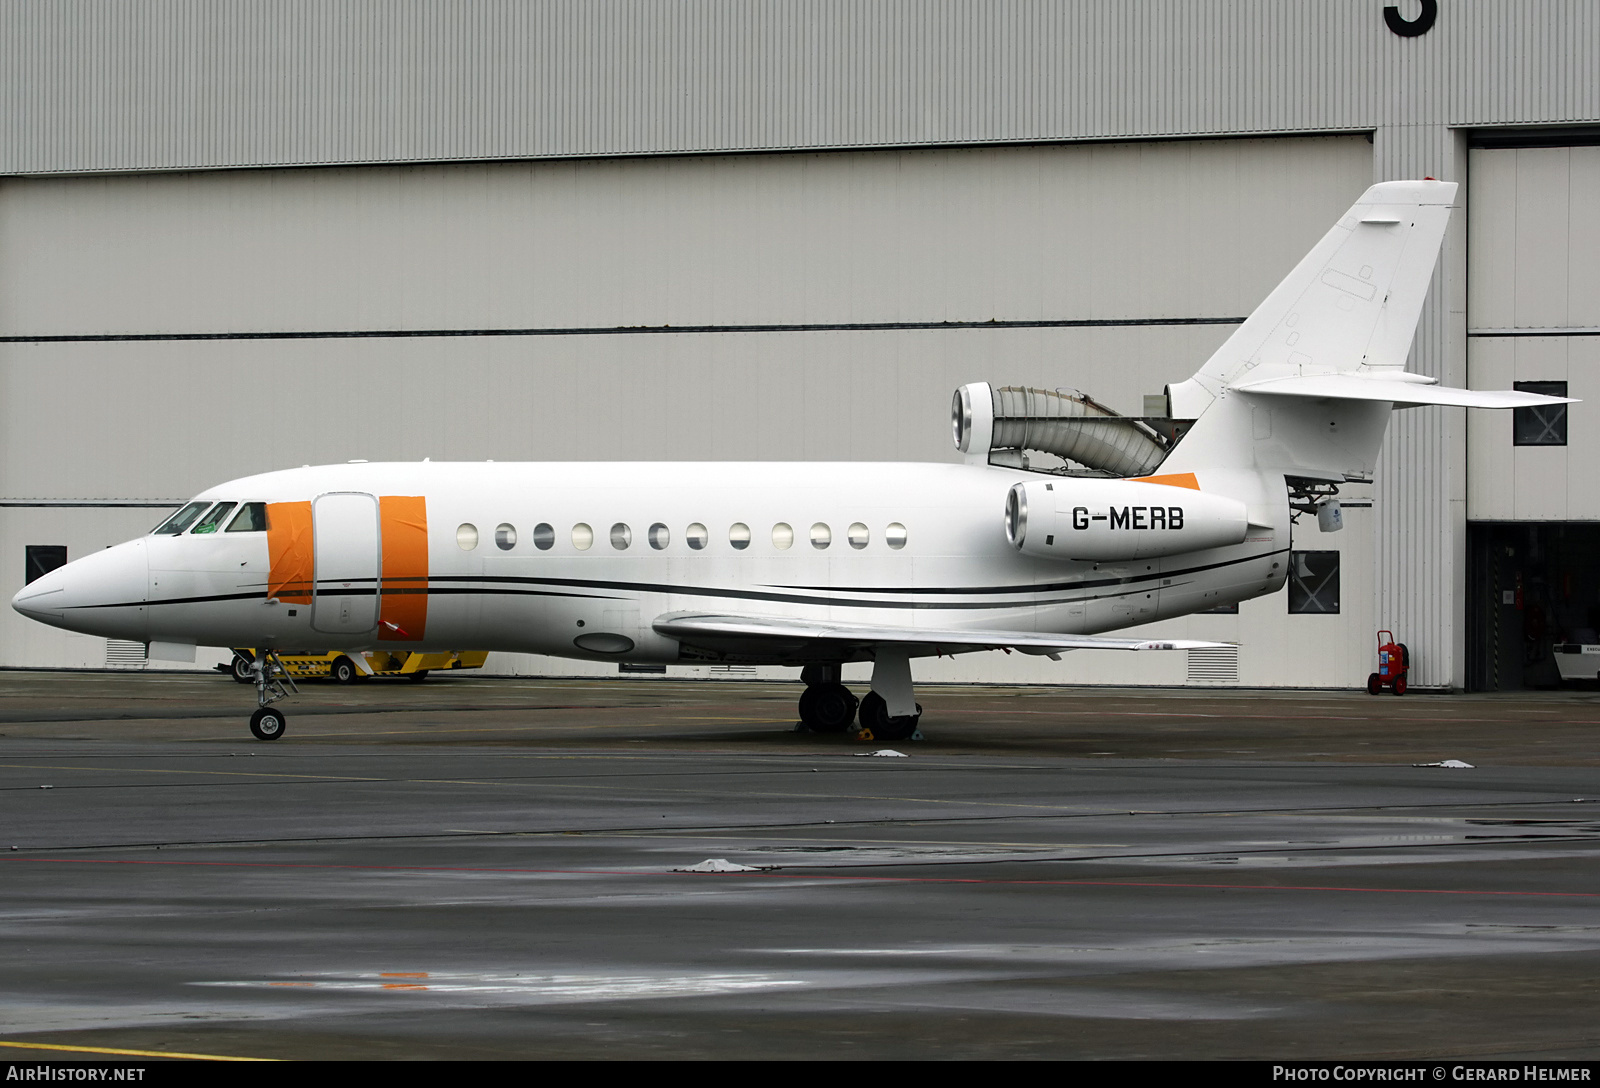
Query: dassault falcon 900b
<point x="817" y="565"/>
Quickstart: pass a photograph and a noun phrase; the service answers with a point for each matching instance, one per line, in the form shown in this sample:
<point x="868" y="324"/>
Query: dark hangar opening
<point x="1533" y="605"/>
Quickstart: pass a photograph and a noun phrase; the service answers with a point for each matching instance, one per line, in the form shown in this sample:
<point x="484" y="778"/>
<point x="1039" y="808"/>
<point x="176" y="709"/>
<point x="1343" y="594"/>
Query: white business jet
<point x="816" y="565"/>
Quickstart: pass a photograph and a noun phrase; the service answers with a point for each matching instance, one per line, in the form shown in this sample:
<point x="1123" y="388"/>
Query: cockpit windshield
<point x="212" y="521"/>
<point x="180" y="521"/>
<point x="251" y="518"/>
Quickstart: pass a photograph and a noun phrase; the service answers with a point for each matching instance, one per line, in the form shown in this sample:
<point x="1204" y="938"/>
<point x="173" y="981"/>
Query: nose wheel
<point x="267" y="723"/>
<point x="272" y="682"/>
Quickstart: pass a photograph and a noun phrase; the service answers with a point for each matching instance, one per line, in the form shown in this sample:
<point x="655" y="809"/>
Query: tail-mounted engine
<point x="1012" y="419"/>
<point x="1109" y="520"/>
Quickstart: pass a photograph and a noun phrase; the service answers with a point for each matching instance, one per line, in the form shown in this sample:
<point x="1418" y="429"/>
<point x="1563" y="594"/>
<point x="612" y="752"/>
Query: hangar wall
<point x="1535" y="316"/>
<point x="184" y="84"/>
<point x="154" y="86"/>
<point x="1146" y="237"/>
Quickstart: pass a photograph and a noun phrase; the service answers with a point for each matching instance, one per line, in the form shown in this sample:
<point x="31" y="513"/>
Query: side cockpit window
<point x="211" y="522"/>
<point x="251" y="518"/>
<point x="180" y="521"/>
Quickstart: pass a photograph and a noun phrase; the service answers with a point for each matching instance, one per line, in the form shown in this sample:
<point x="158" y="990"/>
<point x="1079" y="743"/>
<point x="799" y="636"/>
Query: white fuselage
<point x="935" y="554"/>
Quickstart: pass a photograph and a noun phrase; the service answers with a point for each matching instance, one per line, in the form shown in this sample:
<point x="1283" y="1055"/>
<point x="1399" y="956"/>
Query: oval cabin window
<point x="466" y="536"/>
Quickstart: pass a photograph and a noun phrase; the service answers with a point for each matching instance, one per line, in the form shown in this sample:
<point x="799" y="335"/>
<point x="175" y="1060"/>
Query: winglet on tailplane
<point x="1306" y="384"/>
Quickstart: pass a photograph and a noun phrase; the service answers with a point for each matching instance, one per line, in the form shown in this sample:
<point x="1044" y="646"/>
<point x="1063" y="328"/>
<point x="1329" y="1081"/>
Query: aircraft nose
<point x="41" y="598"/>
<point x="102" y="593"/>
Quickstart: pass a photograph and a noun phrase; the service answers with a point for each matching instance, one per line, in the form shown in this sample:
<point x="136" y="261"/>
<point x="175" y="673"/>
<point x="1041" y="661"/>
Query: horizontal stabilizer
<point x="723" y="630"/>
<point x="1401" y="390"/>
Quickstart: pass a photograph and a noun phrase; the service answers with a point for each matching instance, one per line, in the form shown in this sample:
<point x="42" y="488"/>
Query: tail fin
<point x="1306" y="384"/>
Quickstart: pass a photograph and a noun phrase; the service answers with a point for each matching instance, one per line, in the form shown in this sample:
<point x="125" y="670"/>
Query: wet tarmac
<point x="481" y="868"/>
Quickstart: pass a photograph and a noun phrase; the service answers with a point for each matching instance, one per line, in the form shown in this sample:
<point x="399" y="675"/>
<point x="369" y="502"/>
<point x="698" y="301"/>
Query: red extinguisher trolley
<point x="1394" y="661"/>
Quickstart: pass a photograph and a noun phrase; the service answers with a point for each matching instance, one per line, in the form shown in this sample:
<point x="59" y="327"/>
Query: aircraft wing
<point x="770" y="632"/>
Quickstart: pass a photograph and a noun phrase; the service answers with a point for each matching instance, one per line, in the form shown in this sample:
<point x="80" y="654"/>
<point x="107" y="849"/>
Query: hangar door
<point x="1533" y="495"/>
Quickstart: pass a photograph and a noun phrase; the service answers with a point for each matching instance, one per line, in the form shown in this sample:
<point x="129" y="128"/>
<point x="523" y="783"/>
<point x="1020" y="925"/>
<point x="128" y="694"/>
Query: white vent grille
<point x="121" y="654"/>
<point x="1217" y="665"/>
<point x="733" y="670"/>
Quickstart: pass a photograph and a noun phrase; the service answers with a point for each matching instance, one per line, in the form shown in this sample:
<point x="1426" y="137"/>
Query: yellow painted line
<point x="137" y="1053"/>
<point x="175" y="770"/>
<point x="475" y="729"/>
<point x="731" y="718"/>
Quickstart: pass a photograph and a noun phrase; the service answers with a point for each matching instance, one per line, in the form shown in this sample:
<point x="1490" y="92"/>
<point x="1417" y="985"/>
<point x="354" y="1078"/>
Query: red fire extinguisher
<point x="1394" y="661"/>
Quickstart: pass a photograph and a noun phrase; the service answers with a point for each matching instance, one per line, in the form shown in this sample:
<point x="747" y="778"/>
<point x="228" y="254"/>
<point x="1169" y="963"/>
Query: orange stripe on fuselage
<point x="289" y="549"/>
<point x="1181" y="479"/>
<point x="403" y="600"/>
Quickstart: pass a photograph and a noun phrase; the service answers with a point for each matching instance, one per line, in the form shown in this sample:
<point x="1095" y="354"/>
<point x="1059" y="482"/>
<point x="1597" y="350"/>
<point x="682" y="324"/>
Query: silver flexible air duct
<point x="1072" y="426"/>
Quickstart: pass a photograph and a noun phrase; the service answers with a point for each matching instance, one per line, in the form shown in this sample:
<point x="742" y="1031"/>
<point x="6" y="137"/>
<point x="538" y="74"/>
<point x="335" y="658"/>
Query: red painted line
<point x="815" y="876"/>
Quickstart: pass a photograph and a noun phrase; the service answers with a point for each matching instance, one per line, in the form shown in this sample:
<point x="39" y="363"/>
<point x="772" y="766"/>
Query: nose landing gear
<point x="270" y="678"/>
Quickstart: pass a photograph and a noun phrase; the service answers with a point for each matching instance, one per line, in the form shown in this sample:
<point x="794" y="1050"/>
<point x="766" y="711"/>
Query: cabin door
<point x="345" y="528"/>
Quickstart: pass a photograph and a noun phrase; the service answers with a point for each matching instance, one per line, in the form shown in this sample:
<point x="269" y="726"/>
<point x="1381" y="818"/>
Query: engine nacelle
<point x="1108" y="520"/>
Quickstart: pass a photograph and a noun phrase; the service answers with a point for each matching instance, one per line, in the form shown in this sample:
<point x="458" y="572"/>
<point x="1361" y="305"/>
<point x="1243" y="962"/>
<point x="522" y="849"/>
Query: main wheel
<point x="344" y="671"/>
<point x="268" y="724"/>
<point x="828" y="708"/>
<point x="417" y="677"/>
<point x="874" y="715"/>
<point x="241" y="670"/>
<point x="1400" y="684"/>
<point x="1374" y="684"/>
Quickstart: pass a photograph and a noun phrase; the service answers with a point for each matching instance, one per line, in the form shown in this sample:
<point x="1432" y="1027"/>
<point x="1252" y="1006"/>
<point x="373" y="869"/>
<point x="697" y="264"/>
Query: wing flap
<point x="695" y="627"/>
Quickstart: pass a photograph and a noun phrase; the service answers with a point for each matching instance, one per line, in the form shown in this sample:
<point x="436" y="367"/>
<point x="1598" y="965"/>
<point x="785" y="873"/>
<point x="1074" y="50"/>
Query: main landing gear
<point x="269" y="677"/>
<point x="827" y="706"/>
<point x="878" y="724"/>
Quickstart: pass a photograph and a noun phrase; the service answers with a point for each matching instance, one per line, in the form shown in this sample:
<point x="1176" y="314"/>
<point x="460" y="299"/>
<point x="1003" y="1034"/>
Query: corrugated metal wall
<point x="1420" y="489"/>
<point x="1536" y="272"/>
<point x="1169" y="233"/>
<point x="174" y="84"/>
<point x="154" y="85"/>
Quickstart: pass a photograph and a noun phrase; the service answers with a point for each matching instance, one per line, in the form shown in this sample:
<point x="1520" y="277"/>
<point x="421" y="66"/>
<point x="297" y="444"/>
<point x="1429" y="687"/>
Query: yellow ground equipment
<point x="352" y="668"/>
